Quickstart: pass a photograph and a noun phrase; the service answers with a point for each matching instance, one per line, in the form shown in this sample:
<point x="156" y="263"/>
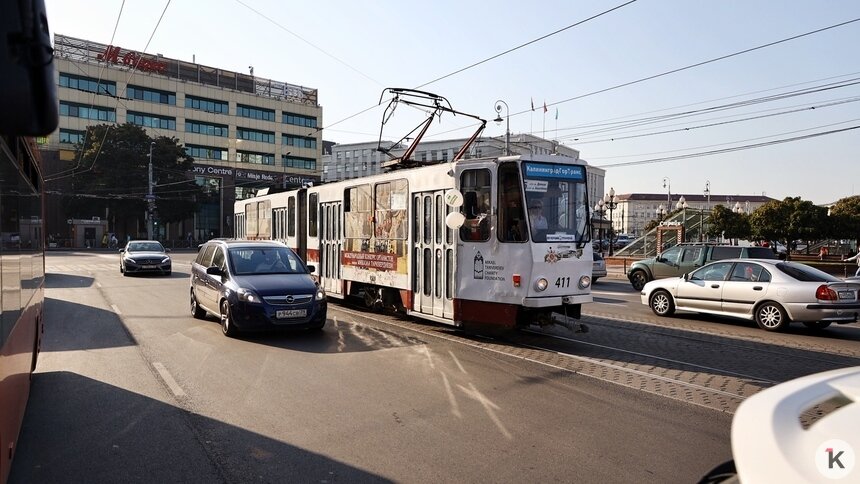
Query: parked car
<point x="598" y="269"/>
<point x="773" y="293"/>
<point x="684" y="258"/>
<point x="255" y="285"/>
<point x="144" y="256"/>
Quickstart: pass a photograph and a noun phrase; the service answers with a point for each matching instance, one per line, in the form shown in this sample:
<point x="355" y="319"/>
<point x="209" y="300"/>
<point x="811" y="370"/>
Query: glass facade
<point x="206" y="152"/>
<point x="298" y="162"/>
<point x="255" y="158"/>
<point x="208" y="105"/>
<point x="299" y="141"/>
<point x="151" y="95"/>
<point x="254" y="135"/>
<point x="255" y="113"/>
<point x="206" y="128"/>
<point x="151" y="121"/>
<point x="72" y="136"/>
<point x="87" y="84"/>
<point x="85" y="111"/>
<point x="299" y="120"/>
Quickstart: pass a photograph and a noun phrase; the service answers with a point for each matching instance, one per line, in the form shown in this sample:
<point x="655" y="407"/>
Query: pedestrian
<point x="104" y="240"/>
<point x="856" y="257"/>
<point x="113" y="241"/>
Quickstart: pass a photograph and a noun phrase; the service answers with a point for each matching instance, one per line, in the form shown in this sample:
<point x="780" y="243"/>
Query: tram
<point x="498" y="242"/>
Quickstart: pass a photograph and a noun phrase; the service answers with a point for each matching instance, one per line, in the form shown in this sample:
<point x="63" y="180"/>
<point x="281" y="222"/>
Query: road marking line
<point x="168" y="379"/>
<point x="115" y="309"/>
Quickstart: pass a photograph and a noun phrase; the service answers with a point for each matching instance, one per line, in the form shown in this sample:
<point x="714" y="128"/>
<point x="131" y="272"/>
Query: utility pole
<point x="150" y="198"/>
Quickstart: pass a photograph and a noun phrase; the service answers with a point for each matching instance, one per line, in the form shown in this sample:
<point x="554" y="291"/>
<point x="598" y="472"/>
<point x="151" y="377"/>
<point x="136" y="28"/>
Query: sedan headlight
<point x="320" y="294"/>
<point x="165" y="260"/>
<point x="541" y="284"/>
<point x="247" y="295"/>
<point x="584" y="282"/>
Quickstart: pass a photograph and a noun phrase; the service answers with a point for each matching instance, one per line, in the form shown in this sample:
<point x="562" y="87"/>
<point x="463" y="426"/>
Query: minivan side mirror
<point x="214" y="270"/>
<point x="311" y="268"/>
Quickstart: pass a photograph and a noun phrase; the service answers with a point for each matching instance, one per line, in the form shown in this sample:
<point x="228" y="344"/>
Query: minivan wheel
<point x="638" y="279"/>
<point x="227" y="326"/>
<point x="770" y="316"/>
<point x="196" y="310"/>
<point x="817" y="325"/>
<point x="662" y="304"/>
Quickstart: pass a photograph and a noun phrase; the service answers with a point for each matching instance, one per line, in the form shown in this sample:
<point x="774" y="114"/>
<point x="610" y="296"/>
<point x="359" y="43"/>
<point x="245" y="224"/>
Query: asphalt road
<point x="131" y="388"/>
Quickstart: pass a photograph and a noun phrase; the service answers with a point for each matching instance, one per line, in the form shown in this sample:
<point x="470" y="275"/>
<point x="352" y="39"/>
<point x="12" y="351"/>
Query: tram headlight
<point x="584" y="282"/>
<point x="541" y="284"/>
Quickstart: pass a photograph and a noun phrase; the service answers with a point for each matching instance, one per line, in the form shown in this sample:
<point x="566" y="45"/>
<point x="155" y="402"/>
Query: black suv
<point x="255" y="285"/>
<point x="684" y="258"/>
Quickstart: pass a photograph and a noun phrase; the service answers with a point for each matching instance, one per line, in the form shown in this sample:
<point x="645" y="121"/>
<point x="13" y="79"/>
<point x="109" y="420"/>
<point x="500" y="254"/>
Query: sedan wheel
<point x="662" y="304"/>
<point x="817" y="324"/>
<point x="227" y="326"/>
<point x="771" y="317"/>
<point x="638" y="279"/>
<point x="196" y="310"/>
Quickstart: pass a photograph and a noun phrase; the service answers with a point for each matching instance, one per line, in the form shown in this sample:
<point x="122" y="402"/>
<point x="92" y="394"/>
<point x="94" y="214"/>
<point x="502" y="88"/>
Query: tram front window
<point x="557" y="202"/>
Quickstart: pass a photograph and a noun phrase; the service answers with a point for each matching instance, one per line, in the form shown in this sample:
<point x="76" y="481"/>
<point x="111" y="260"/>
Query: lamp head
<point x="498" y="119"/>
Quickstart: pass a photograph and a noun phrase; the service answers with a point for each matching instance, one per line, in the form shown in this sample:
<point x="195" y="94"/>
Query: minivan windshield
<point x="265" y="260"/>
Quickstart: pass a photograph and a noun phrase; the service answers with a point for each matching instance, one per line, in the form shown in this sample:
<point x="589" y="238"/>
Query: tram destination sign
<point x="554" y="170"/>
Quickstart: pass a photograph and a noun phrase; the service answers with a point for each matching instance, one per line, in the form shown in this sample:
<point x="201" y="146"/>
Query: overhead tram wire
<point x="93" y="95"/>
<point x="575" y="24"/>
<point x="118" y="97"/>
<point x="722" y="123"/>
<point x="727" y="150"/>
<point x="698" y="64"/>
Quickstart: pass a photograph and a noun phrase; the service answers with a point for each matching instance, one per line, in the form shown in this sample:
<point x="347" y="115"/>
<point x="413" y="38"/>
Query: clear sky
<point x="351" y="50"/>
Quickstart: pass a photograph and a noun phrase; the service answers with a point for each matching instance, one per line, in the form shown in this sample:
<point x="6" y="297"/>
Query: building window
<point x="87" y="84"/>
<point x="298" y="162"/>
<point x="208" y="105"/>
<point x="206" y="152"/>
<point x="84" y="111"/>
<point x="299" y="141"/>
<point x="255" y="113"/>
<point x="151" y="95"/>
<point x="206" y="128"/>
<point x="72" y="136"/>
<point x="255" y="158"/>
<point x="151" y="121"/>
<point x="299" y="120"/>
<point x="254" y="135"/>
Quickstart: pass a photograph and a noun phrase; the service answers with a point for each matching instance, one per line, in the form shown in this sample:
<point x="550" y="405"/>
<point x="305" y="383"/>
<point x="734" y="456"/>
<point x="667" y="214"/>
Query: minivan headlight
<point x="247" y="295"/>
<point x="320" y="294"/>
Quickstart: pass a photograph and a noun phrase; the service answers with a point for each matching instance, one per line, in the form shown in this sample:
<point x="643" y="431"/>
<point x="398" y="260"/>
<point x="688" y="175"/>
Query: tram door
<point x="330" y="247"/>
<point x="432" y="256"/>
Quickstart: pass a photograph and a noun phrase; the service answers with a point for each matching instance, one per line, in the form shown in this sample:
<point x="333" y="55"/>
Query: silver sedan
<point x="773" y="293"/>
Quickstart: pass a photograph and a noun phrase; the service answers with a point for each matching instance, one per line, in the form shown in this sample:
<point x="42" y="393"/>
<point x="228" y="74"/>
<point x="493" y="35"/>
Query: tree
<point x="845" y="219"/>
<point x="113" y="175"/>
<point x="789" y="220"/>
<point x="726" y="223"/>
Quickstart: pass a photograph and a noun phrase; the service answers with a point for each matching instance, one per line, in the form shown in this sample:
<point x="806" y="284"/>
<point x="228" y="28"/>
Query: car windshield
<point x="145" y="247"/>
<point x="265" y="260"/>
<point x="805" y="273"/>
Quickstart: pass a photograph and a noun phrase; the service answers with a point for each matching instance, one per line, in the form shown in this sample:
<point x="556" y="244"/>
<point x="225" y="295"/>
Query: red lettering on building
<point x="132" y="59"/>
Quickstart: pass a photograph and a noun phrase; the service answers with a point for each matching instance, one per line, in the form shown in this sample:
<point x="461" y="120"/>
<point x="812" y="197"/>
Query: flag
<point x="533" y="104"/>
<point x="544" y="107"/>
<point x="556" y="114"/>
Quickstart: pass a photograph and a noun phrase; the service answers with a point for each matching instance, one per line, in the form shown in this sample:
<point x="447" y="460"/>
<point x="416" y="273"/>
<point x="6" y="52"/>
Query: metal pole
<point x="149" y="196"/>
<point x="498" y="119"/>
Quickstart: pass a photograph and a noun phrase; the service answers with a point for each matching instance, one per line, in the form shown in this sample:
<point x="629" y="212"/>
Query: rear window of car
<point x="720" y="253"/>
<point x="760" y="253"/>
<point x="805" y="273"/>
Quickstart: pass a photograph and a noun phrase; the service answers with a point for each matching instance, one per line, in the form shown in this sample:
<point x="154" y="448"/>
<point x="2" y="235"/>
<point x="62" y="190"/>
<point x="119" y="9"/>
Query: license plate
<point x="291" y="313"/>
<point x="148" y="267"/>
<point x="846" y="294"/>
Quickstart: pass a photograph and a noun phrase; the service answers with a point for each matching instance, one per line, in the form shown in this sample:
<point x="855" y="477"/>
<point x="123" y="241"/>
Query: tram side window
<point x="391" y="204"/>
<point x="511" y="214"/>
<point x="357" y="212"/>
<point x="291" y="217"/>
<point x="475" y="186"/>
<point x="313" y="202"/>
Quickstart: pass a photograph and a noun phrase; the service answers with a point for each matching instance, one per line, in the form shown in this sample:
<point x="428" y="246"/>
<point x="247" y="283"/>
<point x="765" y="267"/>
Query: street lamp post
<point x="708" y="195"/>
<point x="682" y="204"/>
<point x="667" y="184"/>
<point x="599" y="209"/>
<point x="610" y="203"/>
<point x="498" y="120"/>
